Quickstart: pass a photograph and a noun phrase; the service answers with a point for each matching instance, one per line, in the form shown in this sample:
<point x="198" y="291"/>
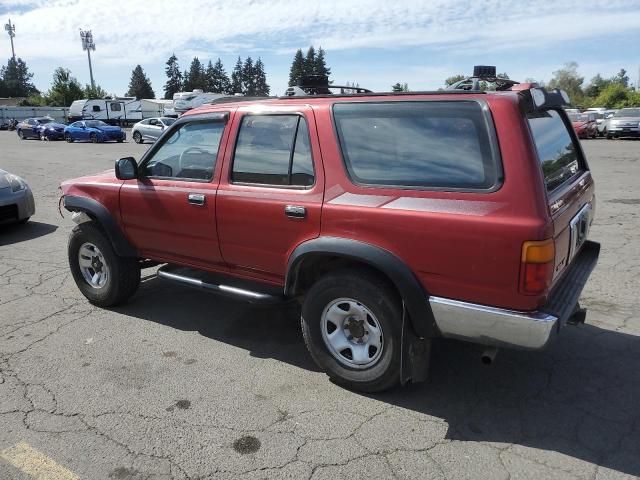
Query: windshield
<point x="44" y="120"/>
<point x="579" y="117"/>
<point x="628" y="112"/>
<point x="168" y="121"/>
<point x="95" y="123"/>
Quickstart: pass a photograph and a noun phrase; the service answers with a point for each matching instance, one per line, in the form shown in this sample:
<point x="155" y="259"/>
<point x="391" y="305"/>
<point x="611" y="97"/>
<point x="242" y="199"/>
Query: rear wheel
<point x="103" y="277"/>
<point x="68" y="138"/>
<point x="93" y="138"/>
<point x="137" y="137"/>
<point x="351" y="323"/>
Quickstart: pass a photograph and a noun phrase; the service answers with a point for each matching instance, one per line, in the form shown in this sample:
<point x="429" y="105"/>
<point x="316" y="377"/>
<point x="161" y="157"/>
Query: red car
<point x="584" y="124"/>
<point x="394" y="218"/>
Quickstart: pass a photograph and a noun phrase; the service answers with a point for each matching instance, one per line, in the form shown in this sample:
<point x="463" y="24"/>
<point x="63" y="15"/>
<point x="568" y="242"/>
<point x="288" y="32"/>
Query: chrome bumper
<point x="492" y="326"/>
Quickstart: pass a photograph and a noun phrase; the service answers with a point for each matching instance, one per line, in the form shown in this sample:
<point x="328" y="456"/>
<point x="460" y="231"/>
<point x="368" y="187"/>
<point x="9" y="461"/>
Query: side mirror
<point x="126" y="168"/>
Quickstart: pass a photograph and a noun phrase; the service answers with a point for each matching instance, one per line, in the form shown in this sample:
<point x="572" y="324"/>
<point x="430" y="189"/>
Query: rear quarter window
<point x="557" y="153"/>
<point x="444" y="145"/>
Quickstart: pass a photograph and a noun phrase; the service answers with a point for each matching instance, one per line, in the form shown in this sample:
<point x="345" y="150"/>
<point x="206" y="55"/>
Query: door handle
<point x="196" y="199"/>
<point x="295" y="211"/>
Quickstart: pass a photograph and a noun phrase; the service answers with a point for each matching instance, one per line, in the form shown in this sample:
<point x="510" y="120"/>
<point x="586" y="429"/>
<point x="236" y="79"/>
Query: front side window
<point x="273" y="150"/>
<point x="429" y="144"/>
<point x="556" y="151"/>
<point x="116" y="107"/>
<point x="190" y="152"/>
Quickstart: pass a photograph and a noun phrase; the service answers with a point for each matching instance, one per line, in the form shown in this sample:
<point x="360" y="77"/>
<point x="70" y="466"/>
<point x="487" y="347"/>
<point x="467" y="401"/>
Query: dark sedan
<point x="42" y="128"/>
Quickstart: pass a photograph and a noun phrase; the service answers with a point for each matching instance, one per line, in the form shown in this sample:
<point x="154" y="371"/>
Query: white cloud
<point x="128" y="32"/>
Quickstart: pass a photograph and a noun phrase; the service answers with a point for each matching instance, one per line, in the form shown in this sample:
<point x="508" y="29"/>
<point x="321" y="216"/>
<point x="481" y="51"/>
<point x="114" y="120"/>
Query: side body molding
<point x="96" y="210"/>
<point x="413" y="294"/>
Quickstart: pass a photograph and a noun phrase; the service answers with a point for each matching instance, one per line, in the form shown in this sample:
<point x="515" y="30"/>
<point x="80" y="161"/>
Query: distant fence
<point x="61" y="114"/>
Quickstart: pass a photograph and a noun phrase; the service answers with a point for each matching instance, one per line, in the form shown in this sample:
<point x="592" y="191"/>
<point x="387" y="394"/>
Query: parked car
<point x="16" y="199"/>
<point x="584" y="124"/>
<point x="150" y="129"/>
<point x="93" y="131"/>
<point x="43" y="128"/>
<point x="394" y="218"/>
<point x="624" y="123"/>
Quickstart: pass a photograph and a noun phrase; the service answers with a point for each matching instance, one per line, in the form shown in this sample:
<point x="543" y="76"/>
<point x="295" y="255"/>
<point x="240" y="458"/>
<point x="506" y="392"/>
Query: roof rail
<point x="319" y="85"/>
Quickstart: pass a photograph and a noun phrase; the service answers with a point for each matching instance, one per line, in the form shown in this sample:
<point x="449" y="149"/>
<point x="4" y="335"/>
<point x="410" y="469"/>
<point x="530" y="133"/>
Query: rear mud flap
<point x="415" y="354"/>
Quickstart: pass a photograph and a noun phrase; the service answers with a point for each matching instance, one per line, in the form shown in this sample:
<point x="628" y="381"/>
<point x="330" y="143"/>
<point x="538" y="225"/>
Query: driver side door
<point x="168" y="212"/>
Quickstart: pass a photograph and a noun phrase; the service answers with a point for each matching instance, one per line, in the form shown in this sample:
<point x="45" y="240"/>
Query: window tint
<point x="417" y="144"/>
<point x="273" y="150"/>
<point x="95" y="108"/>
<point x="116" y="107"/>
<point x="189" y="152"/>
<point x="556" y="151"/>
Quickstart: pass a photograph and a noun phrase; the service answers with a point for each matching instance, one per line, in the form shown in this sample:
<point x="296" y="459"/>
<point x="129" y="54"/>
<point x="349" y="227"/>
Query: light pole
<point x="11" y="30"/>
<point x="87" y="44"/>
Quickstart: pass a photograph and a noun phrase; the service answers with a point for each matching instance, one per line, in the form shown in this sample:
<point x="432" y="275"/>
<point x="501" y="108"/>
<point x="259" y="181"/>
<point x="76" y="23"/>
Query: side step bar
<point x="183" y="277"/>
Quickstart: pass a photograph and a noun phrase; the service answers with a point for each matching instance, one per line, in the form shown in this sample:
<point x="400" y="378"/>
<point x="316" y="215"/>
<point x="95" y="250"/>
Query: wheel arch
<point x="313" y="258"/>
<point x="103" y="217"/>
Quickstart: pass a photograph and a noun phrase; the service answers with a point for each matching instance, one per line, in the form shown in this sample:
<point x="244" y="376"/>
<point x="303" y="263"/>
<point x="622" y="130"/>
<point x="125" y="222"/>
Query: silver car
<point x="16" y="199"/>
<point x="150" y="129"/>
<point x="625" y="123"/>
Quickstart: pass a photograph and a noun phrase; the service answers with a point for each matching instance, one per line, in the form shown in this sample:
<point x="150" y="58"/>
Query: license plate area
<point x="580" y="225"/>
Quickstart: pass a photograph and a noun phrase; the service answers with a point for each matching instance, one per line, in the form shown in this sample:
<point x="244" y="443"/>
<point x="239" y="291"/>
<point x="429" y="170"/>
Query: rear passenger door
<point x="271" y="193"/>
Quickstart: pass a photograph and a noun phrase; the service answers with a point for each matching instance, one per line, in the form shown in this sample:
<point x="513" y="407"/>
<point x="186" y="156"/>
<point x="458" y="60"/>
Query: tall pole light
<point x="87" y="44"/>
<point x="11" y="30"/>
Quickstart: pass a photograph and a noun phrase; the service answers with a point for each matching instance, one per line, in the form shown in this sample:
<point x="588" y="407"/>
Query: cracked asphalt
<point x="182" y="384"/>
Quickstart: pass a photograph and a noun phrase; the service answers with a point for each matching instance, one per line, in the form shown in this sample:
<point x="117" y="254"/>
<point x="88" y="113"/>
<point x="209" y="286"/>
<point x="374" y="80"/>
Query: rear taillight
<point x="536" y="271"/>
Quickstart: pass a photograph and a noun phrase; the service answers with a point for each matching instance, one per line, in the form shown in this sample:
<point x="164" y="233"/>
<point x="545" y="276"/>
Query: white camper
<point x="183" y="101"/>
<point x="117" y="110"/>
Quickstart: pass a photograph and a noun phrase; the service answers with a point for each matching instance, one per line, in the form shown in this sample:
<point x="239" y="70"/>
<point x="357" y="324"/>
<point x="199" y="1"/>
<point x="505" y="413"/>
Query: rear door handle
<point x="295" y="211"/>
<point x="196" y="199"/>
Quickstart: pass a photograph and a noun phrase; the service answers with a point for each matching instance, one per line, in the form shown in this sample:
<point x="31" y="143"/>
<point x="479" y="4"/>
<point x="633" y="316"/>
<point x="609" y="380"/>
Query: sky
<point x="374" y="43"/>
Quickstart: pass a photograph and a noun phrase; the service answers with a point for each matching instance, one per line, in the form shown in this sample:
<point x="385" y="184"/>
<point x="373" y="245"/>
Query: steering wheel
<point x="188" y="151"/>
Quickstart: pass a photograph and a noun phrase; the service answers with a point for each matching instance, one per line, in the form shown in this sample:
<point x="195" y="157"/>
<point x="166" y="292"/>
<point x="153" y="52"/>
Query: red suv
<point x="394" y="218"/>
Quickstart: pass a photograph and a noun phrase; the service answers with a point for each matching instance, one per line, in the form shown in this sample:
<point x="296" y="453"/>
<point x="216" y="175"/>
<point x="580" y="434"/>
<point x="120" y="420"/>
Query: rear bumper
<point x="517" y="329"/>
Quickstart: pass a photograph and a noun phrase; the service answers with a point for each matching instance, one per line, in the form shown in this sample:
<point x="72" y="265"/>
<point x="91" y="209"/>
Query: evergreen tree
<point x="310" y="61"/>
<point x="320" y="65"/>
<point x="400" y="87"/>
<point x="94" y="92"/>
<point x="236" y="78"/>
<point x="260" y="79"/>
<point x="218" y="78"/>
<point x="140" y="86"/>
<point x="174" y="77"/>
<point x="64" y="89"/>
<point x="248" y="78"/>
<point x="297" y="68"/>
<point x="17" y="79"/>
<point x="195" y="78"/>
<point x="621" y="78"/>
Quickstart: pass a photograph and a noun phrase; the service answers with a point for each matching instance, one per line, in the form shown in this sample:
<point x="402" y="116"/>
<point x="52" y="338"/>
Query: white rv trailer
<point x="183" y="101"/>
<point x="117" y="110"/>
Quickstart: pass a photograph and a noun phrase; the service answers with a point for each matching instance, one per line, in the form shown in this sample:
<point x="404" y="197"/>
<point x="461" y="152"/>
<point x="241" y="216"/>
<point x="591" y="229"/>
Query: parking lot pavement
<point x="182" y="384"/>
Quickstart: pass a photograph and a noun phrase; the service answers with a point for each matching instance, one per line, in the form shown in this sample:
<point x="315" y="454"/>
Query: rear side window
<point x="556" y="151"/>
<point x="435" y="145"/>
<point x="273" y="150"/>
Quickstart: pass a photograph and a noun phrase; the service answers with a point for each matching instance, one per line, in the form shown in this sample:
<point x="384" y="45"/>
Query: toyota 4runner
<point x="394" y="218"/>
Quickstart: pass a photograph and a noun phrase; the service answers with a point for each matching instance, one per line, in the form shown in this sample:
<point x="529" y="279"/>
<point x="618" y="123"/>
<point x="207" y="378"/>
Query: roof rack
<point x="319" y="85"/>
<point x="483" y="73"/>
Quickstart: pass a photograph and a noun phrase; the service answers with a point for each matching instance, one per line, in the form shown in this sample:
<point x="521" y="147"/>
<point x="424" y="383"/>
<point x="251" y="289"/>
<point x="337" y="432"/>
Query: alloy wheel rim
<point x="93" y="266"/>
<point x="352" y="333"/>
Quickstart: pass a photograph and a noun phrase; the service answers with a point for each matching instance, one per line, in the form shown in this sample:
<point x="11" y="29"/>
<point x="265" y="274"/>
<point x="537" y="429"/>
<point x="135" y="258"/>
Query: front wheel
<point x="103" y="277"/>
<point x="68" y="138"/>
<point x="21" y="135"/>
<point x="43" y="137"/>
<point x="351" y="323"/>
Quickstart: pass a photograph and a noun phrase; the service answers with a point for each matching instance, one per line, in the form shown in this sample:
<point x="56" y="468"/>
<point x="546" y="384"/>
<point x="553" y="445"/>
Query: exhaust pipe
<point x="489" y="355"/>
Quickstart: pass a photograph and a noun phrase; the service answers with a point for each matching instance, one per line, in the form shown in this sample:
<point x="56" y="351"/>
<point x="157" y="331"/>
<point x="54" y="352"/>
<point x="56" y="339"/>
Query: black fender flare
<point x="95" y="209"/>
<point x="414" y="296"/>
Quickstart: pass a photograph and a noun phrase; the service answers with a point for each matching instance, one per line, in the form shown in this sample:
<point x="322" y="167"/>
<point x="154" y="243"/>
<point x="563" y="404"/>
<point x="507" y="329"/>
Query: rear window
<point x="556" y="150"/>
<point x="435" y="145"/>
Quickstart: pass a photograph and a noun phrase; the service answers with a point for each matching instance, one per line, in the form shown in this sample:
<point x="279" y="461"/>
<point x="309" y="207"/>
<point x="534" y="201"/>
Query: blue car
<point x="43" y="128"/>
<point x="93" y="131"/>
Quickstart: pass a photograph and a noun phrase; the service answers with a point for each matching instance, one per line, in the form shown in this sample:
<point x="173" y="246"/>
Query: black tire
<point x="43" y="137"/>
<point x="68" y="138"/>
<point x="23" y="221"/>
<point x="93" y="138"/>
<point x="21" y="135"/>
<point x="124" y="272"/>
<point x="378" y="296"/>
<point x="137" y="137"/>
